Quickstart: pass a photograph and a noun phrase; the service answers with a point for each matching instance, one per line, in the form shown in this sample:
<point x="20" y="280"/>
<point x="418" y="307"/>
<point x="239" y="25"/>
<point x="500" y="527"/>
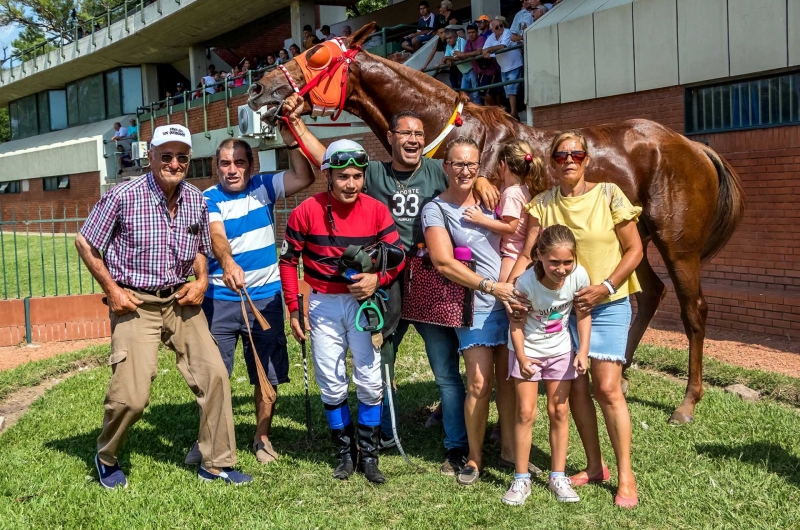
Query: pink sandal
<point x="602" y="477"/>
<point x="626" y="503"/>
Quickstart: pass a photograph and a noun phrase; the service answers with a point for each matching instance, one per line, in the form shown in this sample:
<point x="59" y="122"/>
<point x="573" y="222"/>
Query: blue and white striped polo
<point x="249" y="222"/>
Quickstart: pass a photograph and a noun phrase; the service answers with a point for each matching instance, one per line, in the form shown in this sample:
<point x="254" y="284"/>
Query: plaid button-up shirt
<point x="142" y="246"/>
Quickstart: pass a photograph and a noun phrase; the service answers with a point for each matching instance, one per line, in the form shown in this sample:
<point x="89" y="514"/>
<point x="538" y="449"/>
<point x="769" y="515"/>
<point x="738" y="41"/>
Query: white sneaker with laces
<point x="562" y="488"/>
<point x="519" y="491"/>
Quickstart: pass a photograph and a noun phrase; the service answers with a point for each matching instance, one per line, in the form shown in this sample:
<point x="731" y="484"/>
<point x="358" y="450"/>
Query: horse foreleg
<point x="647" y="302"/>
<point x="685" y="274"/>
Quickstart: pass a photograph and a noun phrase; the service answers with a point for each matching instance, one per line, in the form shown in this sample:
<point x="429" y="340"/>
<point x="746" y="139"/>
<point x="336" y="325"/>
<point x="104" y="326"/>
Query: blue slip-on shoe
<point x="227" y="474"/>
<point x="110" y="476"/>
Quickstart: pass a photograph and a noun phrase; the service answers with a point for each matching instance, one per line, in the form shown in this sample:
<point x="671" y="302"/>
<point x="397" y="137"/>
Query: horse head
<point x="271" y="90"/>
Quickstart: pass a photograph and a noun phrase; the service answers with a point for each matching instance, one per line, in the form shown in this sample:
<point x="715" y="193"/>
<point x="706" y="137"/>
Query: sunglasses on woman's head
<point x="560" y="157"/>
<point x="342" y="159"/>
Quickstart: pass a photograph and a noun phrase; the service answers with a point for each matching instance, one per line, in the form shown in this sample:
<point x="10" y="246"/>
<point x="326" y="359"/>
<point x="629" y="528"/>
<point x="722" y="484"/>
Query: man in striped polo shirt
<point x="241" y="220"/>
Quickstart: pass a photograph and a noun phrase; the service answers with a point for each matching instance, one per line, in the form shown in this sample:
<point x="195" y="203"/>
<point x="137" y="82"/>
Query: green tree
<point x="5" y="126"/>
<point x="362" y="7"/>
<point x="45" y="19"/>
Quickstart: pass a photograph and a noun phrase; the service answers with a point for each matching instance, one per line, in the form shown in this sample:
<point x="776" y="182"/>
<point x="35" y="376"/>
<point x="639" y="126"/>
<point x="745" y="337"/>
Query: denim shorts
<point x="488" y="329"/>
<point x="512" y="89"/>
<point x="609" y="337"/>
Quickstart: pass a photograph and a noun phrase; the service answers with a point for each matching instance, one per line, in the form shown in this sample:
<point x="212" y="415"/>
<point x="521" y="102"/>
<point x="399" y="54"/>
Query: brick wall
<point x="268" y="42"/>
<point x="55" y="319"/>
<point x="83" y="193"/>
<point x="753" y="284"/>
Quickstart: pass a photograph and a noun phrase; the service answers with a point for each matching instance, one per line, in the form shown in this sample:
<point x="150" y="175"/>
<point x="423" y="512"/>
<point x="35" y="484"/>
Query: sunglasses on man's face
<point x="342" y="159"/>
<point x="560" y="157"/>
<point x="166" y="158"/>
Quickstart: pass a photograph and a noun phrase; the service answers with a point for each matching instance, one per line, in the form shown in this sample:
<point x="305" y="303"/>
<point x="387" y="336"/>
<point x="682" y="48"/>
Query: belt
<point x="159" y="293"/>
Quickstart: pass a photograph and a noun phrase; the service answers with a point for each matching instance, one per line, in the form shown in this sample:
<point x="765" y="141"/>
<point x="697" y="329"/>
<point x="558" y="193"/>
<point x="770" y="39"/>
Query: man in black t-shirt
<point x="405" y="185"/>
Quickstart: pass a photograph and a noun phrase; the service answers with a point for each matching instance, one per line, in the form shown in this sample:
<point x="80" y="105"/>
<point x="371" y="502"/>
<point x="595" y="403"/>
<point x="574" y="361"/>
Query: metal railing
<point x="77" y="33"/>
<point x="38" y="255"/>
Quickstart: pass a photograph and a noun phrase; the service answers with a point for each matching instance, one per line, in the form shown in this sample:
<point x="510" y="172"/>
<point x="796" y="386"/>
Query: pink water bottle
<point x="462" y="253"/>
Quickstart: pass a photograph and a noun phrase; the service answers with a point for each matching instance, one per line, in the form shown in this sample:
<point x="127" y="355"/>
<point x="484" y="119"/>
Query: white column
<point x="197" y="65"/>
<point x="149" y="84"/>
<point x="490" y="8"/>
<point x="302" y="13"/>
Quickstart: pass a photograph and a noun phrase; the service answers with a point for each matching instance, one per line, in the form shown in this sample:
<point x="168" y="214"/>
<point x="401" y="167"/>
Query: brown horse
<point x="692" y="199"/>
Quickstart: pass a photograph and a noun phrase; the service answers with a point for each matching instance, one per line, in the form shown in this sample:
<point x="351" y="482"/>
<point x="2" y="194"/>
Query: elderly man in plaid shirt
<point x="153" y="234"/>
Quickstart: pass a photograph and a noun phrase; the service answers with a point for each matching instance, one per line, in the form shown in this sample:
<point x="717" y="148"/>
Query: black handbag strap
<point x="446" y="220"/>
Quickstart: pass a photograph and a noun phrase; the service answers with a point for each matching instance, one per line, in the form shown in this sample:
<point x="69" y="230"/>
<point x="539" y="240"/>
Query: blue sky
<point x="7" y="34"/>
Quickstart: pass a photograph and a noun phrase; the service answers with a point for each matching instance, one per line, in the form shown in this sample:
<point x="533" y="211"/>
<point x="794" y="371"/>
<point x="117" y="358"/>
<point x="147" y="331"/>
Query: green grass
<point x="737" y="466"/>
<point x="42" y="266"/>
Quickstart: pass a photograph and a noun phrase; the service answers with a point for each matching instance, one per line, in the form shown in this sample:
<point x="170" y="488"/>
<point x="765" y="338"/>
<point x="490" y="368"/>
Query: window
<point x="44" y="112"/>
<point x="24" y="117"/>
<point x="91" y="99"/>
<point x="131" y="89"/>
<point x="73" y="113"/>
<point x="756" y="103"/>
<point x="113" y="94"/>
<point x="58" y="109"/>
<point x="200" y="168"/>
<point x="55" y="183"/>
<point x="11" y="186"/>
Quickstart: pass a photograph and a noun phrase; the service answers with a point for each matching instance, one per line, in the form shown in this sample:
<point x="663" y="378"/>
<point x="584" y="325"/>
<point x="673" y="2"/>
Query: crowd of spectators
<point x="484" y="41"/>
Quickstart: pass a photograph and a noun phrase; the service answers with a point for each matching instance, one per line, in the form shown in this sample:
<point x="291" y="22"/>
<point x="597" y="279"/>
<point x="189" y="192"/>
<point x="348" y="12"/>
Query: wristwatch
<point x="296" y="145"/>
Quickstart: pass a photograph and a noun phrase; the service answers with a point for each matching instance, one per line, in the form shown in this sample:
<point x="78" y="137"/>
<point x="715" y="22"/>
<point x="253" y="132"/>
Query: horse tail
<point x="730" y="205"/>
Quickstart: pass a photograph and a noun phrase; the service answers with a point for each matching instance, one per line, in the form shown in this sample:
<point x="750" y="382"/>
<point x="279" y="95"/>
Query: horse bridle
<point x="339" y="61"/>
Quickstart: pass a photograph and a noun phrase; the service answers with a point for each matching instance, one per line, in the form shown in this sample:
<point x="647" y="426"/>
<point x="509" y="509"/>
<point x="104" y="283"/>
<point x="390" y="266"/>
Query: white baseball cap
<point x="339" y="145"/>
<point x="171" y="133"/>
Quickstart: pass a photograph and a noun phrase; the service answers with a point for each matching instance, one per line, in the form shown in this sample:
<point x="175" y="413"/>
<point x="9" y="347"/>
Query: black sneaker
<point x="110" y="476"/>
<point x="454" y="460"/>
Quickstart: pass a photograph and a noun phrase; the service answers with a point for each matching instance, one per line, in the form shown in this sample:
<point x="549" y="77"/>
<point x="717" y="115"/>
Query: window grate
<point x="757" y="103"/>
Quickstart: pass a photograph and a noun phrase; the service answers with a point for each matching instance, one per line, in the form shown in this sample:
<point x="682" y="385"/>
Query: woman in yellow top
<point x="609" y="248"/>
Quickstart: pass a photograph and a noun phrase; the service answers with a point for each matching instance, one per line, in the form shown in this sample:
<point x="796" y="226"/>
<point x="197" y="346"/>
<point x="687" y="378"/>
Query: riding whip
<point x="301" y="317"/>
<point x="394" y="421"/>
<point x="267" y="391"/>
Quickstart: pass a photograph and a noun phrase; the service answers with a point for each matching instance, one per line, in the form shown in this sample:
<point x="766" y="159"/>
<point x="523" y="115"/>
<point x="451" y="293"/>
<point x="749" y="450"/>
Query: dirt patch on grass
<point x="748" y="350"/>
<point x="14" y="406"/>
<point x="13" y="356"/>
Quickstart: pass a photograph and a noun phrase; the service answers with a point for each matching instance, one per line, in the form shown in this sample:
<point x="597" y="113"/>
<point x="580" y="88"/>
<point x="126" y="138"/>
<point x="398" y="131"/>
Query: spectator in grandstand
<point x="283" y="56"/>
<point x="483" y="26"/>
<point x="178" y="93"/>
<point x="412" y="42"/>
<point x="455" y="43"/>
<point x="445" y="16"/>
<point x="310" y="38"/>
<point x="347" y="31"/>
<point x="133" y="129"/>
<point x="258" y="62"/>
<point x="510" y="62"/>
<point x="241" y="218"/>
<point x="540" y="8"/>
<point x="270" y="60"/>
<point x="120" y="132"/>
<point x="472" y="48"/>
<point x="294" y="49"/>
<point x="123" y="159"/>
<point x="96" y="27"/>
<point x="326" y="32"/>
<point x="212" y="70"/>
<point x="522" y="20"/>
<point x="153" y="235"/>
<point x="234" y="77"/>
<point x="209" y="81"/>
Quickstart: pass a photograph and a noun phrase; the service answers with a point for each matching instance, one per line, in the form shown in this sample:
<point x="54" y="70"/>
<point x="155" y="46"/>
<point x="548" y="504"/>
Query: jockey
<point x="320" y="230"/>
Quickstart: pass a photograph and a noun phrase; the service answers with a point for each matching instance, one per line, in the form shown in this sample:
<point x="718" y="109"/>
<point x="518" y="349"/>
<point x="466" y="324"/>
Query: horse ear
<point x="360" y="37"/>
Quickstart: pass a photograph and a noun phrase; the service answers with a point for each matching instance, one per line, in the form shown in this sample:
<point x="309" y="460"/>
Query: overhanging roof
<point x="162" y="38"/>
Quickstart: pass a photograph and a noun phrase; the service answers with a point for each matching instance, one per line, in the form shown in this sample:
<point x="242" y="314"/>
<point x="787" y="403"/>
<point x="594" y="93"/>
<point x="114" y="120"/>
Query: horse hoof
<point x="679" y="418"/>
<point x="624" y="386"/>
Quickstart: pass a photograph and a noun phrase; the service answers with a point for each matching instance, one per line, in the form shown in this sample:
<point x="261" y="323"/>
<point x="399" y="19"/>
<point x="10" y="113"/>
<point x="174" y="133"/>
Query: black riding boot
<point x="369" y="439"/>
<point x="346" y="451"/>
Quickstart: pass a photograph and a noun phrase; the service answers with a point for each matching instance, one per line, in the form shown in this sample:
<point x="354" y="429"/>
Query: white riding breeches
<point x="333" y="329"/>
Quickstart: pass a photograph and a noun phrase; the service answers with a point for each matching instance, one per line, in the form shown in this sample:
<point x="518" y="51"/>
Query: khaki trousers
<point x="135" y="338"/>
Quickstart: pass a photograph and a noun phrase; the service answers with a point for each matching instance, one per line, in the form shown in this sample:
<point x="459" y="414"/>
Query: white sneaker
<point x="519" y="491"/>
<point x="562" y="488"/>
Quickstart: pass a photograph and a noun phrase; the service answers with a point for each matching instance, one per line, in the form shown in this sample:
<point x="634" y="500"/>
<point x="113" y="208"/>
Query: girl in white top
<point x="523" y="177"/>
<point x="541" y="349"/>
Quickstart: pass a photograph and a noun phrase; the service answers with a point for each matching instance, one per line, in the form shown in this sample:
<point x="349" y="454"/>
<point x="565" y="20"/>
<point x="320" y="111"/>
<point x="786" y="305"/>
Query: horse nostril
<point x="255" y="89"/>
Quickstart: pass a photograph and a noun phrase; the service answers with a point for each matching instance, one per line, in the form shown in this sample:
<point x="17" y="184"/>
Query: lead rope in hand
<point x="267" y="391"/>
